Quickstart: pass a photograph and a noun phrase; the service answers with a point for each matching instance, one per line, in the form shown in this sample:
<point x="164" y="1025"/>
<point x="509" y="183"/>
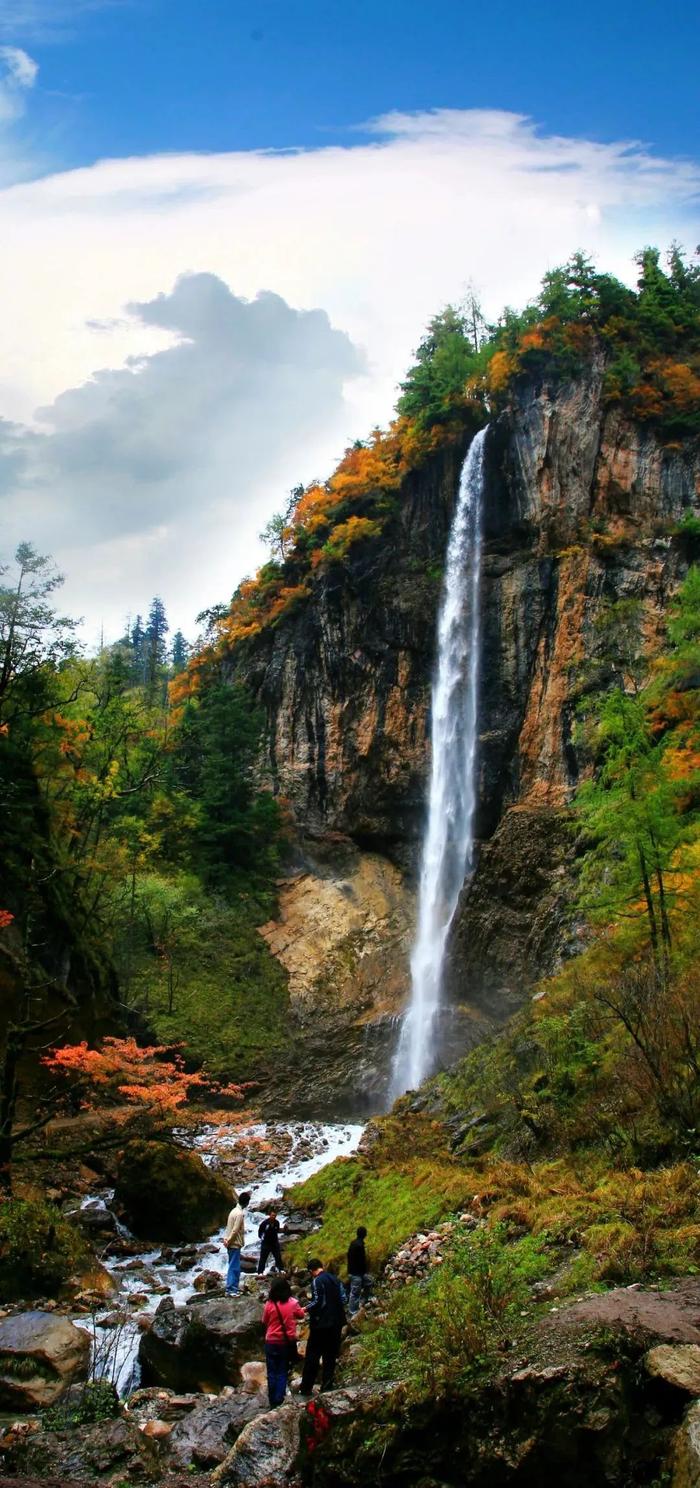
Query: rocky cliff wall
<point x="580" y="511"/>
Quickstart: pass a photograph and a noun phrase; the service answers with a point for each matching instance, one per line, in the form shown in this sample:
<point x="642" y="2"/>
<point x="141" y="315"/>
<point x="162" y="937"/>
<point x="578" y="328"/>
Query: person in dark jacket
<point x="358" y="1271"/>
<point x="269" y="1235"/>
<point x="326" y="1321"/>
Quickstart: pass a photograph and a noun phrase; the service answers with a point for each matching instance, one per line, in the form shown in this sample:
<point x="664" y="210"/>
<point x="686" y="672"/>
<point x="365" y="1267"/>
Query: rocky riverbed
<point x="265" y="1159"/>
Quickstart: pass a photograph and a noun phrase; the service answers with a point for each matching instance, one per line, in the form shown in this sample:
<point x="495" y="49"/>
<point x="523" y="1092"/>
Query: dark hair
<point x="280" y="1291"/>
<point x="361" y="1232"/>
<point x="315" y="1265"/>
<point x="244" y="1200"/>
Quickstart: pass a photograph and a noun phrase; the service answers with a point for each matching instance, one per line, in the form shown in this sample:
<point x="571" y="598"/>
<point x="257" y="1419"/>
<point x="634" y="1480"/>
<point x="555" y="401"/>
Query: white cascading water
<point x="448" y="846"/>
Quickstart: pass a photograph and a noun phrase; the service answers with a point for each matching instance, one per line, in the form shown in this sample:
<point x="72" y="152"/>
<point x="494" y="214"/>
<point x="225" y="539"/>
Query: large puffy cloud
<point x="179" y="443"/>
<point x="380" y="233"/>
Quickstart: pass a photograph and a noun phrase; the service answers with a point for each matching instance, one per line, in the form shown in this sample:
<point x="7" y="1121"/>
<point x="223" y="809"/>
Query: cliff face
<point x="580" y="507"/>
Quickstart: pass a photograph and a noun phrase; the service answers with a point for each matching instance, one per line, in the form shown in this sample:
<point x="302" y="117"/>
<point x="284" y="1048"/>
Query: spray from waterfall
<point x="448" y="845"/>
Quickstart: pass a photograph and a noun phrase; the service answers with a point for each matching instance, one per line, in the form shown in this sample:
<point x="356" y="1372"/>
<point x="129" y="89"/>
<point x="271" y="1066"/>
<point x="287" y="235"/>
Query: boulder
<point x="677" y="1364"/>
<point x="40" y="1354"/>
<point x="266" y="1451"/>
<point x="201" y="1346"/>
<point x="115" y="1449"/>
<point x="167" y="1193"/>
<point x="152" y="1404"/>
<point x="205" y="1436"/>
<point x="685" y="1471"/>
<point x="208" y="1281"/>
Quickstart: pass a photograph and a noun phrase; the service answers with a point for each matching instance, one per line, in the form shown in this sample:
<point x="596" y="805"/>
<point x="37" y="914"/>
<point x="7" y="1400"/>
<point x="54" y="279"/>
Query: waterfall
<point x="448" y="845"/>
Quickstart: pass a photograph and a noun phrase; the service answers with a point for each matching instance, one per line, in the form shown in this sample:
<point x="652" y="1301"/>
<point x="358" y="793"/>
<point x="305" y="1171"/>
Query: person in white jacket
<point x="234" y="1239"/>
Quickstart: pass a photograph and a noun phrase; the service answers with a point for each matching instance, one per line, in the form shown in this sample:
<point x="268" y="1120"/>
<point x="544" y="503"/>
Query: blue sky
<point x="154" y="75"/>
<point x="224" y="228"/>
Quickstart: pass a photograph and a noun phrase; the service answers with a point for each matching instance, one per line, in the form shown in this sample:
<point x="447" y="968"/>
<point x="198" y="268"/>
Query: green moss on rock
<point x="169" y="1194"/>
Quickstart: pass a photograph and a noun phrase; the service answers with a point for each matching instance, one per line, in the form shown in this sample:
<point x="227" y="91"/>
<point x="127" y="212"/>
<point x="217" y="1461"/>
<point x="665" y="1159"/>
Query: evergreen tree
<point x="155" y="650"/>
<point x="179" y="652"/>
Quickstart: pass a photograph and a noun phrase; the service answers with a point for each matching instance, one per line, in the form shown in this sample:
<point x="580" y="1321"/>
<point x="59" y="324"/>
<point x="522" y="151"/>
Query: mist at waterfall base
<point x="448" y="844"/>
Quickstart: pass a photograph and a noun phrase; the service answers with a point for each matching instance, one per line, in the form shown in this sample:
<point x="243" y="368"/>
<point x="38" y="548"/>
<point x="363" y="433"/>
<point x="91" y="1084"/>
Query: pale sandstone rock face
<point x="344" y="939"/>
<point x="580" y="510"/>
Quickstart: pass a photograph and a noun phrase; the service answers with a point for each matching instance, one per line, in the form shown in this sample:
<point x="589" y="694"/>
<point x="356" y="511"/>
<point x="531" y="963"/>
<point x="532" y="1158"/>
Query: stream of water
<point x="311" y="1145"/>
<point x="448" y="844"/>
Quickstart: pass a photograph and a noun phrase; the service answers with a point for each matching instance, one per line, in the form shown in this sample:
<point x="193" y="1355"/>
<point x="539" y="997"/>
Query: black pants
<point x="270" y="1248"/>
<point x="323" y="1347"/>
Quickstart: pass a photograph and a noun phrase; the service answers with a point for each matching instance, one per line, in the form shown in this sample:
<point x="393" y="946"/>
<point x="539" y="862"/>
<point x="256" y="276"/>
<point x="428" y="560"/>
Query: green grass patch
<point x="392" y="1196"/>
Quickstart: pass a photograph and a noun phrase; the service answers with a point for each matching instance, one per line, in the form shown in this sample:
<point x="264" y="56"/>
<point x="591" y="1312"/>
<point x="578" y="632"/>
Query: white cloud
<point x="380" y="233"/>
<point x="18" y="73"/>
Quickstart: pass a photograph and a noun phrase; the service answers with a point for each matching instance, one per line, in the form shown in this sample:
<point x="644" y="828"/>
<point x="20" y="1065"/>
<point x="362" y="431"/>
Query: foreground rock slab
<point x="115" y="1449"/>
<point x="41" y="1353"/>
<point x="205" y="1436"/>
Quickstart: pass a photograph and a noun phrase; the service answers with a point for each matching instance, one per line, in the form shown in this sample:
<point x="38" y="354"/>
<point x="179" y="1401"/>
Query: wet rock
<point x="158" y="1430"/>
<point x="205" y="1436"/>
<point x="208" y="1281"/>
<point x="168" y="1193"/>
<point x="153" y="1403"/>
<point x="41" y="1353"/>
<point x="118" y="1449"/>
<point x="266" y="1451"/>
<point x="95" y="1218"/>
<point x="685" y="1472"/>
<point x="201" y="1347"/>
<point x="677" y="1365"/>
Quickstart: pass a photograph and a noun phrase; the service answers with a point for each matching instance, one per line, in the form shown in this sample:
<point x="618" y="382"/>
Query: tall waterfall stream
<point x="448" y="845"/>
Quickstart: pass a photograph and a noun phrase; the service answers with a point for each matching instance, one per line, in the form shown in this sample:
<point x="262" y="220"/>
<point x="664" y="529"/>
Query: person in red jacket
<point x="280" y="1315"/>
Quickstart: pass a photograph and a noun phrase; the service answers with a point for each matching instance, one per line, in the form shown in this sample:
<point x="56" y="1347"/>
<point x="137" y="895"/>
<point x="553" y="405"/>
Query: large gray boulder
<point x="266" y="1452"/>
<point x="201" y="1346"/>
<point x="40" y="1355"/>
<point x="204" y="1437"/>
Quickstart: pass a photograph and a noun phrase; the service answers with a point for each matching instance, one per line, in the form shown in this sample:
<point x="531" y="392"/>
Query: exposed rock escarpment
<point x="581" y="507"/>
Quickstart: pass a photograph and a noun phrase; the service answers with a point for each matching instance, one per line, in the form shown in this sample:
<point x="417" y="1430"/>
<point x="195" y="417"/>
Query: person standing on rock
<point x="326" y="1319"/>
<point x="358" y="1272"/>
<point x="280" y="1315"/>
<point x="234" y="1239"/>
<point x="268" y="1234"/>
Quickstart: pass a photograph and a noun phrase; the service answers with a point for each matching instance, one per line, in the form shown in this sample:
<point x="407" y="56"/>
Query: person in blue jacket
<point x="326" y="1321"/>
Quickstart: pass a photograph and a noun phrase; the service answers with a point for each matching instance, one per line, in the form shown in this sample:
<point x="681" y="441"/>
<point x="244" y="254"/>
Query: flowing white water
<point x="448" y="846"/>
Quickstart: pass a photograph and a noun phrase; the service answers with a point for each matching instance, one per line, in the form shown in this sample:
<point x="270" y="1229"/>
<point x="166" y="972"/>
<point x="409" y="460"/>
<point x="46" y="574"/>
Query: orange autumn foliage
<point x="122" y="1069"/>
<point x="5" y="918"/>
